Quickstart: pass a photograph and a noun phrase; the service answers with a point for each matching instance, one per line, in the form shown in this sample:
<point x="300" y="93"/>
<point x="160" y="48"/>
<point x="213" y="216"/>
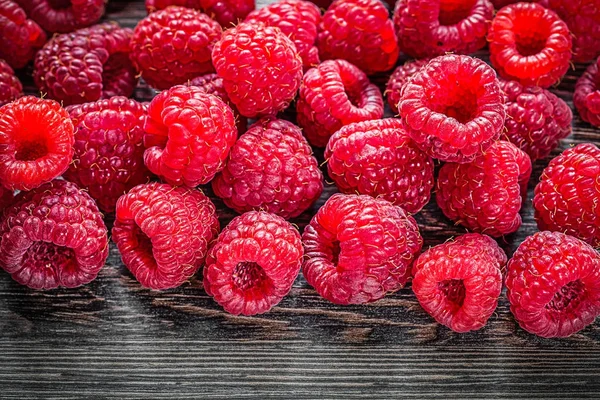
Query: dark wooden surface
<point x="114" y="339"/>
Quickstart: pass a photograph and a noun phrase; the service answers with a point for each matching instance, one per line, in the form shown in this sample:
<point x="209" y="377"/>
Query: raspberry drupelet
<point x="10" y="86"/>
<point x="587" y="94"/>
<point x="228" y="12"/>
<point x="398" y="79"/>
<point x="63" y="16"/>
<point x="20" y="37"/>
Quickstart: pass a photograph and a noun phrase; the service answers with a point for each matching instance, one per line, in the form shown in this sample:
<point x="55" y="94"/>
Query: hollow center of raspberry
<point x="457" y="103"/>
<point x="31" y="149"/>
<point x="454" y="290"/>
<point x="144" y="243"/>
<point x="59" y="4"/>
<point x="48" y="257"/>
<point x="530" y="37"/>
<point x="248" y="275"/>
<point x="568" y="297"/>
<point x="335" y="252"/>
<point x="454" y="11"/>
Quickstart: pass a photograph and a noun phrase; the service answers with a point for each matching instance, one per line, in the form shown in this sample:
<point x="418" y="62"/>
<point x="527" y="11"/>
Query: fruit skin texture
<point x="10" y="86"/>
<point x="163" y="233"/>
<point x="20" y="37"/>
<point x="360" y="32"/>
<point x="587" y="94"/>
<point x="453" y="108"/>
<point x="253" y="263"/>
<point x="567" y="196"/>
<point x="358" y="249"/>
<point x="55" y="18"/>
<point x="334" y="94"/>
<point x="486" y="194"/>
<point x="378" y="158"/>
<point x="459" y="282"/>
<point x="271" y="168"/>
<point x="398" y="79"/>
<point x="174" y="45"/>
<point x="53" y="236"/>
<point x="260" y="67"/>
<point x="553" y="284"/>
<point x="228" y="12"/>
<point x="36" y="142"/>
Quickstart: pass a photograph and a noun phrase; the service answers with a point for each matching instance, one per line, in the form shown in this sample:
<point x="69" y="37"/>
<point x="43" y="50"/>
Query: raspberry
<point x="10" y="86"/>
<point x="109" y="155"/>
<point x="298" y="20"/>
<point x="20" y="37"/>
<point x="459" y="282"/>
<point x="378" y="158"/>
<point x="529" y="44"/>
<point x="270" y="168"/>
<point x="398" y="79"/>
<point x="188" y="135"/>
<point x="172" y="46"/>
<point x="587" y="94"/>
<point x="360" y="32"/>
<point x="334" y="94"/>
<point x="163" y="233"/>
<point x="155" y="5"/>
<point x="553" y="284"/>
<point x="36" y="142"/>
<point x="53" y="236"/>
<point x="429" y="28"/>
<point x="63" y="16"/>
<point x="359" y="248"/>
<point x="253" y="264"/>
<point x="535" y="118"/>
<point x="453" y="108"/>
<point x="86" y="65"/>
<point x="567" y="196"/>
<point x="260" y="67"/>
<point x="227" y="12"/>
<point x="485" y="194"/>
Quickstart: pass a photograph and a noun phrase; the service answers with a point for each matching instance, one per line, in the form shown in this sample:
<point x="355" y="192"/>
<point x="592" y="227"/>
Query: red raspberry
<point x="398" y="79"/>
<point x="228" y="12"/>
<point x="378" y="158"/>
<point x="530" y="44"/>
<point x="253" y="264"/>
<point x="155" y="5"/>
<point x="36" y="142"/>
<point x="453" y="108"/>
<point x="485" y="194"/>
<point x="109" y="155"/>
<point x="260" y="67"/>
<point x="20" y="37"/>
<point x="429" y="28"/>
<point x="188" y="135"/>
<point x="163" y="233"/>
<point x="53" y="236"/>
<point x="361" y="32"/>
<point x="359" y="248"/>
<point x="553" y="284"/>
<point x="63" y="16"/>
<point x="535" y="118"/>
<point x="86" y="65"/>
<point x="334" y="94"/>
<point x="270" y="168"/>
<point x="172" y="46"/>
<point x="587" y="94"/>
<point x="10" y="86"/>
<point x="298" y="20"/>
<point x="566" y="198"/>
<point x="459" y="282"/>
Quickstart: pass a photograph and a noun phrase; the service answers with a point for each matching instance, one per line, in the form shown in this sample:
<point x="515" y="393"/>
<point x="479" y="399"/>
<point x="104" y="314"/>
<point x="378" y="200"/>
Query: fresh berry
<point x="553" y="284"/>
<point x="156" y="5"/>
<point x="36" y="142"/>
<point x="429" y="28"/>
<point x="566" y="198"/>
<point x="453" y="108"/>
<point x="398" y="79"/>
<point x="228" y="12"/>
<point x="587" y="94"/>
<point x="270" y="168"/>
<point x="529" y="44"/>
<point x="172" y="46"/>
<point x="63" y="16"/>
<point x="10" y="86"/>
<point x="253" y="263"/>
<point x="378" y="158"/>
<point x="459" y="282"/>
<point x="188" y="135"/>
<point x="260" y="67"/>
<point x="86" y="65"/>
<point x="20" y="37"/>
<point x="358" y="249"/>
<point x="334" y="94"/>
<point x="485" y="195"/>
<point x="163" y="233"/>
<point x="53" y="236"/>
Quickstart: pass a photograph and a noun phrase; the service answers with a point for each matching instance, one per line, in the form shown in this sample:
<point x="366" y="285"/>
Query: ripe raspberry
<point x="36" y="142"/>
<point x="529" y="44"/>
<point x="227" y="12"/>
<point x="53" y="236"/>
<point x="334" y="94"/>
<point x="359" y="248"/>
<point x="253" y="264"/>
<point x="567" y="196"/>
<point x="188" y="135"/>
<point x="20" y="37"/>
<point x="398" y="79"/>
<point x="156" y="5"/>
<point x="535" y="118"/>
<point x="553" y="284"/>
<point x="587" y="94"/>
<point x="429" y="28"/>
<point x="260" y="67"/>
<point x="453" y="108"/>
<point x="10" y="86"/>
<point x="298" y="20"/>
<point x="63" y="16"/>
<point x="172" y="46"/>
<point x="378" y="158"/>
<point x="86" y="65"/>
<point x="270" y="168"/>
